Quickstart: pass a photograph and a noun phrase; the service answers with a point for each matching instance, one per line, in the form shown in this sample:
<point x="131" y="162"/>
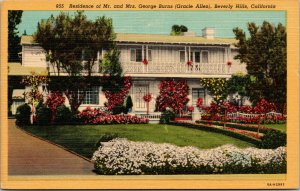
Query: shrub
<point x="43" y="116"/>
<point x="273" y="139"/>
<point x="120" y="156"/>
<point x="23" y="114"/>
<point x="63" y="115"/>
<point x="119" y="109"/>
<point x="167" y="116"/>
<point x="105" y="138"/>
<point x="128" y="104"/>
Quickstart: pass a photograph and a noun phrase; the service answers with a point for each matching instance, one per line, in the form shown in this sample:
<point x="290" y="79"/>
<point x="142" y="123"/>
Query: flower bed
<point x="95" y="116"/>
<point x="120" y="156"/>
<point x="238" y="126"/>
<point x="218" y="129"/>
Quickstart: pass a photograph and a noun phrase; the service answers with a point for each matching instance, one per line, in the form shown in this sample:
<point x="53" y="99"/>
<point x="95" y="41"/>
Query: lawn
<point x="83" y="138"/>
<point x="280" y="127"/>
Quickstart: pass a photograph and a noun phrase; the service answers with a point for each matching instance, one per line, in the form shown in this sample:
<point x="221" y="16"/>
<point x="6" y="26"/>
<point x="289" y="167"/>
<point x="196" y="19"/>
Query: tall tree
<point x="14" y="47"/>
<point x="264" y="53"/>
<point x="178" y="30"/>
<point x="72" y="44"/>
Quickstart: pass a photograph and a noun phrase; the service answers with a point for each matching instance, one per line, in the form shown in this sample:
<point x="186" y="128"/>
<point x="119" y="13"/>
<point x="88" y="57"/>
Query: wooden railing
<point x="173" y="68"/>
<point x="153" y="116"/>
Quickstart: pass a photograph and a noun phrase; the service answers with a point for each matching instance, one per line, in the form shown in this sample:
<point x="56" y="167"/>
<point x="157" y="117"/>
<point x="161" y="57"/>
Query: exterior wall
<point x="33" y="56"/>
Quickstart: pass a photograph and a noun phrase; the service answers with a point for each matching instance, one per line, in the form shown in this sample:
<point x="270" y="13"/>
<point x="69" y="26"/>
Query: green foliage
<point x="119" y="109"/>
<point x="105" y="138"/>
<point x="238" y="83"/>
<point x="43" y="116"/>
<point x="14" y="47"/>
<point x="167" y="116"/>
<point x="273" y="139"/>
<point x="178" y="30"/>
<point x="128" y="103"/>
<point x="72" y="44"/>
<point x="264" y="53"/>
<point x="63" y="115"/>
<point x="215" y="86"/>
<point x="23" y="114"/>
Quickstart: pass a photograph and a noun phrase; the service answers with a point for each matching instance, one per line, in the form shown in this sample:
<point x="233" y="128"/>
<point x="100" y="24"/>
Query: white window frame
<point x="89" y="92"/>
<point x="201" y="56"/>
<point x="135" y="50"/>
<point x="180" y="56"/>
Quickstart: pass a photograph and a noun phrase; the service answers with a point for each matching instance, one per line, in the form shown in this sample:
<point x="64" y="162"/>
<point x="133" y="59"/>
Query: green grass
<point x="280" y="127"/>
<point x="83" y="138"/>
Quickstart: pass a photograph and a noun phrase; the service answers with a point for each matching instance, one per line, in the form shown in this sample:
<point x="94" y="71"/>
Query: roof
<point x="157" y="38"/>
<point x="16" y="69"/>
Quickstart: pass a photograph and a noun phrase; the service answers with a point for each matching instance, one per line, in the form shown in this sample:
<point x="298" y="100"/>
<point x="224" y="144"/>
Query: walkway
<point x="28" y="155"/>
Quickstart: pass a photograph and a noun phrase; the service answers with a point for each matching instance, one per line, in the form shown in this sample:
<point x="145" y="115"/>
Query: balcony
<point x="177" y="68"/>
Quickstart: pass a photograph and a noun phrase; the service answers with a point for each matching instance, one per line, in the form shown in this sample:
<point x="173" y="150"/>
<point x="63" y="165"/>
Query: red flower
<point x="145" y="61"/>
<point x="189" y="63"/>
<point x="147" y="97"/>
<point x="191" y="108"/>
<point x="229" y="63"/>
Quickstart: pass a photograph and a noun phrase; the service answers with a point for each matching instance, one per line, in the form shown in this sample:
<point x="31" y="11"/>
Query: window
<point x="149" y="55"/>
<point x="198" y="93"/>
<point x="182" y="56"/>
<point x="91" y="95"/>
<point x="197" y="57"/>
<point x="136" y="55"/>
<point x="204" y="56"/>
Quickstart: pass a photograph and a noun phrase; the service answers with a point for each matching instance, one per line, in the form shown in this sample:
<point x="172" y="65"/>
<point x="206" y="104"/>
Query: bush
<point x="167" y="116"/>
<point x="43" y="116"/>
<point x="118" y="110"/>
<point x="63" y="115"/>
<point x="273" y="139"/>
<point x="23" y="114"/>
<point x="128" y="104"/>
<point x="120" y="156"/>
<point x="105" y="138"/>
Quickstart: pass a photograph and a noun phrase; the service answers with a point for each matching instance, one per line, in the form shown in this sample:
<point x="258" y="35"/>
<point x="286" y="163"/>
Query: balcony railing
<point x="176" y="68"/>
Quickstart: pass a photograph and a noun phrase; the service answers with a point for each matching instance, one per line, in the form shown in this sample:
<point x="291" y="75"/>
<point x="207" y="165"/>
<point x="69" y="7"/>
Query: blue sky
<point x="160" y="22"/>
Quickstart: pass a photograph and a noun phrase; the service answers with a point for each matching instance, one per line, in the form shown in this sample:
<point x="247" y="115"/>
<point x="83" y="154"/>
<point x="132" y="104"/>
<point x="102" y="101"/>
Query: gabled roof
<point x="157" y="38"/>
<point x="16" y="69"/>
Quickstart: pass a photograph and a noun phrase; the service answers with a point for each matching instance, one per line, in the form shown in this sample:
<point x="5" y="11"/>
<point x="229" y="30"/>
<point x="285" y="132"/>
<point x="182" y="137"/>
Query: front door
<point x="139" y="92"/>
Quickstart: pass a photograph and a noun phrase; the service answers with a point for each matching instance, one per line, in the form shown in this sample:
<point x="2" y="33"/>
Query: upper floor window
<point x="204" y="56"/>
<point x="192" y="56"/>
<point x="136" y="55"/>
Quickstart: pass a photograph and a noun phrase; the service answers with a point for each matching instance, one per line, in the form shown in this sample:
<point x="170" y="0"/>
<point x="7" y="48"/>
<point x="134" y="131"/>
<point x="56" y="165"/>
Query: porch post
<point x="185" y="58"/>
<point x="143" y="56"/>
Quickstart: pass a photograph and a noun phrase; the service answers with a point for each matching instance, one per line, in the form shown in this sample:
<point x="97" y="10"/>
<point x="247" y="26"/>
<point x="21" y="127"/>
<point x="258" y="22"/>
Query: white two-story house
<point x="167" y="57"/>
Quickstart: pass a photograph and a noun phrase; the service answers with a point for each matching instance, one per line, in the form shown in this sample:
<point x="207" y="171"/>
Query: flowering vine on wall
<point x="117" y="99"/>
<point x="172" y="94"/>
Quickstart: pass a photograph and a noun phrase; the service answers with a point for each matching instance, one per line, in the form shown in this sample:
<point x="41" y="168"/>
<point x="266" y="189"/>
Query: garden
<point x="229" y="137"/>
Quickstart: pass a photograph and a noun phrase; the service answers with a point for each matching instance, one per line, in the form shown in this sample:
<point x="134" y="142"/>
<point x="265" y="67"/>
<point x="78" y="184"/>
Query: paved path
<point x="28" y="155"/>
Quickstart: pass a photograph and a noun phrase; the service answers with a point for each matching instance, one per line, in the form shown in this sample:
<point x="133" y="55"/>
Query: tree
<point x="72" y="44"/>
<point x="238" y="83"/>
<point x="178" y="30"/>
<point x="264" y="53"/>
<point x="14" y="47"/>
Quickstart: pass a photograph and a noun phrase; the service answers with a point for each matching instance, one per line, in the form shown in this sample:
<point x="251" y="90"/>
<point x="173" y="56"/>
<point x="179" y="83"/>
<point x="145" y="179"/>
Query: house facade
<point x="148" y="59"/>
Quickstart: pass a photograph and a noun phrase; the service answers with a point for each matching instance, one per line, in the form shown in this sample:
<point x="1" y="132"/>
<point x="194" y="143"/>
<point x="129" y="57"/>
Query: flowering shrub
<point x="172" y="94"/>
<point x="190" y="108"/>
<point x="145" y="61"/>
<point x="95" y="116"/>
<point x="117" y="99"/>
<point x="216" y="87"/>
<point x="54" y="99"/>
<point x="189" y="63"/>
<point x="120" y="156"/>
<point x="147" y="97"/>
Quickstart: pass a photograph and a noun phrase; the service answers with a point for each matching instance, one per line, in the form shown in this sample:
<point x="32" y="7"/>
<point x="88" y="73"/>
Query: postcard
<point x="149" y="94"/>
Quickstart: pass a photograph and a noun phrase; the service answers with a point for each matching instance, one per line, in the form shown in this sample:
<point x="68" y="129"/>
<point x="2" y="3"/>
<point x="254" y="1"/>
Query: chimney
<point x="189" y="33"/>
<point x="208" y="33"/>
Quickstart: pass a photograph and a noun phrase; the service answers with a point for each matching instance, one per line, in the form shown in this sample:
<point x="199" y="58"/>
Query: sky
<point x="160" y="22"/>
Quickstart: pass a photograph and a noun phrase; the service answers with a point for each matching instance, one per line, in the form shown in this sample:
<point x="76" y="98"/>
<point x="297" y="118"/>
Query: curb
<point x="52" y="143"/>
